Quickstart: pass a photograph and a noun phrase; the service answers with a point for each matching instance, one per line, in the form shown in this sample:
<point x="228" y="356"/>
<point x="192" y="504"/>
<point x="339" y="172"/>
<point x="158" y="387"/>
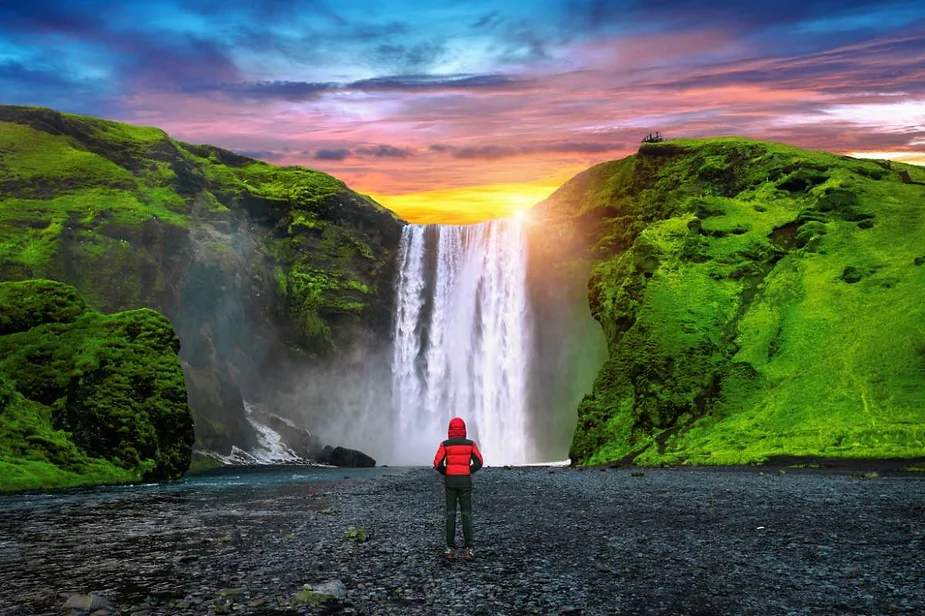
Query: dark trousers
<point x="462" y="492"/>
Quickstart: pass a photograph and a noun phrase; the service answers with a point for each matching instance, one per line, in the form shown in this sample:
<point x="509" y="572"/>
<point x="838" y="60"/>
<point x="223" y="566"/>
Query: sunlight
<point x="469" y="204"/>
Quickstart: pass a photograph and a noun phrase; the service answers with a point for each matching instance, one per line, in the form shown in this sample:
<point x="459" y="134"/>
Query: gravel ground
<point x="548" y="541"/>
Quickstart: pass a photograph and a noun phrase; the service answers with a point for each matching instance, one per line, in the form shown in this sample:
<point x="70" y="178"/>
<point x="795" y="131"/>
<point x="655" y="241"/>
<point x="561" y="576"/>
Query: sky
<point x="461" y="111"/>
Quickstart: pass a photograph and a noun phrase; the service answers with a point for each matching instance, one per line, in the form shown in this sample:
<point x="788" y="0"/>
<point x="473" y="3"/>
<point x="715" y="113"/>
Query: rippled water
<point x="131" y="541"/>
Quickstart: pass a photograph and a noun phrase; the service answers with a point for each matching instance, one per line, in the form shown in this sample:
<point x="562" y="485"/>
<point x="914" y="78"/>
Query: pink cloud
<point x="616" y="91"/>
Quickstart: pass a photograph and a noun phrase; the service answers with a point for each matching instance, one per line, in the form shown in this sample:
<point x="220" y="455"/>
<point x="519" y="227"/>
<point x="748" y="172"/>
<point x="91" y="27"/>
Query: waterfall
<point x="462" y="339"/>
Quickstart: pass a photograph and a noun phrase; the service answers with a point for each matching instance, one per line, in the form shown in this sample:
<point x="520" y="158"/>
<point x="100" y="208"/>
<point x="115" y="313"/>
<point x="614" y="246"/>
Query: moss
<point x="104" y="392"/>
<point x="202" y="464"/>
<point x="133" y="218"/>
<point x="118" y="132"/>
<point x="732" y="333"/>
<point x="360" y="535"/>
<point x="39" y="163"/>
<point x="32" y="303"/>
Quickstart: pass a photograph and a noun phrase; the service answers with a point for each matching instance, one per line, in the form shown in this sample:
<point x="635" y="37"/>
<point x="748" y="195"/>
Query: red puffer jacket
<point x="458" y="455"/>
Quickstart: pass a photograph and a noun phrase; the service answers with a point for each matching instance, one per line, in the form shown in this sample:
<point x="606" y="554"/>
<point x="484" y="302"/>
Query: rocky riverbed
<point x="548" y="541"/>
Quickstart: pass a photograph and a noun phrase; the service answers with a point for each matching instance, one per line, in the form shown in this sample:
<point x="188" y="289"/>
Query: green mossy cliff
<point x="87" y="398"/>
<point x="757" y="299"/>
<point x="258" y="267"/>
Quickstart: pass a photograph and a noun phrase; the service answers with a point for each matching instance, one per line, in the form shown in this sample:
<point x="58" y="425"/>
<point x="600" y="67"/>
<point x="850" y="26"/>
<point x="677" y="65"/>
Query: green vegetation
<point x="133" y="218"/>
<point x="87" y="398"/>
<point x="758" y="300"/>
<point x="81" y="197"/>
<point x="201" y="464"/>
<point x="360" y="535"/>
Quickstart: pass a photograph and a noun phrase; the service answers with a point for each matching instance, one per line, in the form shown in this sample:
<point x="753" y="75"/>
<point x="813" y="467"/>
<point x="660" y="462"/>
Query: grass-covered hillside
<point x="254" y="264"/>
<point x="87" y="398"/>
<point x="758" y="300"/>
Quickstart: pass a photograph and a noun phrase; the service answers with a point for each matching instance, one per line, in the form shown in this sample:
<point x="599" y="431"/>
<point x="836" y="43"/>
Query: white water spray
<point x="270" y="447"/>
<point x="462" y="339"/>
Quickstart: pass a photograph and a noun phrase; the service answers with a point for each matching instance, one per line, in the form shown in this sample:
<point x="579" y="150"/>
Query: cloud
<point x="494" y="152"/>
<point x="30" y="76"/>
<point x="488" y="20"/>
<point x="385" y="151"/>
<point x="455" y="88"/>
<point x="274" y="90"/>
<point x="585" y="16"/>
<point x="408" y="57"/>
<point x="332" y="154"/>
<point x="415" y="83"/>
<point x="486" y="152"/>
<point x="130" y="52"/>
<point x="306" y="91"/>
<point x="268" y="155"/>
<point x="884" y="65"/>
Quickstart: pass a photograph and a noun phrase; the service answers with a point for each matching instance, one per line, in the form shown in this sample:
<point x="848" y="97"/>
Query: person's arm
<point x="440" y="460"/>
<point x="475" y="460"/>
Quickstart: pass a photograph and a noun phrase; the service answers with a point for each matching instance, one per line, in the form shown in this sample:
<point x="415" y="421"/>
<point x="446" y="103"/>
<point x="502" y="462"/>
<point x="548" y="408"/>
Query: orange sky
<point x="471" y="204"/>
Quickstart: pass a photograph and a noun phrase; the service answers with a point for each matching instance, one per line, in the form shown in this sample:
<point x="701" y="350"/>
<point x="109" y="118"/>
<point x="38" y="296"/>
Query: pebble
<point x="679" y="543"/>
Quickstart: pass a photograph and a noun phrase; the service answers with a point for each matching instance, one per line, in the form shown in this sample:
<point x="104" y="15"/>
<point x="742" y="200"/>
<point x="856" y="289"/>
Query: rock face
<point x="264" y="271"/>
<point x="748" y="304"/>
<point x="302" y="442"/>
<point x="87" y="397"/>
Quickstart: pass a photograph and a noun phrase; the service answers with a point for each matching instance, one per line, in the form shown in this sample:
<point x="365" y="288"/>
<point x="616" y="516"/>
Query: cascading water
<point x="462" y="339"/>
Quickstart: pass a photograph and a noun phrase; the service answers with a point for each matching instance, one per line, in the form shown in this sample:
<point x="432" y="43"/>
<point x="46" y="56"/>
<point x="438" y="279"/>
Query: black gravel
<point x="548" y="541"/>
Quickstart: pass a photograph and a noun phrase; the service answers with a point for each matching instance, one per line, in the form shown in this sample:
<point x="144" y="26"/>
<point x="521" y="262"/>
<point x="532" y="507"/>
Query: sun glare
<point x="470" y="204"/>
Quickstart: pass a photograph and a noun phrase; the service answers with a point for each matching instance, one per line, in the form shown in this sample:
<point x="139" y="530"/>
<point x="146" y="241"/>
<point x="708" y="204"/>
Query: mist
<point x="510" y="348"/>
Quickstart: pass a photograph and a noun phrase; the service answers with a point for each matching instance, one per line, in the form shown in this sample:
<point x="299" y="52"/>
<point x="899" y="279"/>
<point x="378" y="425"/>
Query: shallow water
<point x="119" y="539"/>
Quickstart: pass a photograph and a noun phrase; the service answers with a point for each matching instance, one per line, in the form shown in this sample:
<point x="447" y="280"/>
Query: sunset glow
<point x="470" y="204"/>
<point x="452" y="112"/>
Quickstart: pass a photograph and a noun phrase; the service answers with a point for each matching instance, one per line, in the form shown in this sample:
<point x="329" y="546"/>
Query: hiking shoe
<point x="468" y="554"/>
<point x="449" y="553"/>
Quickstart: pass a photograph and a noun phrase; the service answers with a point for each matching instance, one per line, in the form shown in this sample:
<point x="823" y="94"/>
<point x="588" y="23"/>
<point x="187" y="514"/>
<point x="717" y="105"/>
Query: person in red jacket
<point x="456" y="459"/>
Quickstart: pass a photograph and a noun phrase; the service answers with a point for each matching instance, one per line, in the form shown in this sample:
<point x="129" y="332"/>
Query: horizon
<point x="458" y="114"/>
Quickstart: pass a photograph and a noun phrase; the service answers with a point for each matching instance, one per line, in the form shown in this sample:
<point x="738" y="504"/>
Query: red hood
<point x="457" y="428"/>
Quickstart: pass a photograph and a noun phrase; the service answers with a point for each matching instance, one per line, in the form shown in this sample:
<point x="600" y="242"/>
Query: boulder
<point x="326" y="591"/>
<point x="341" y="456"/>
<point x="87" y="603"/>
<point x="91" y="397"/>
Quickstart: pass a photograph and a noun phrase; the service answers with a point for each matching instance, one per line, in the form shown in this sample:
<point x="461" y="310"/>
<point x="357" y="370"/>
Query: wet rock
<point x="341" y="456"/>
<point x="326" y="591"/>
<point x="87" y="603"/>
<point x="299" y="440"/>
<point x="332" y="589"/>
